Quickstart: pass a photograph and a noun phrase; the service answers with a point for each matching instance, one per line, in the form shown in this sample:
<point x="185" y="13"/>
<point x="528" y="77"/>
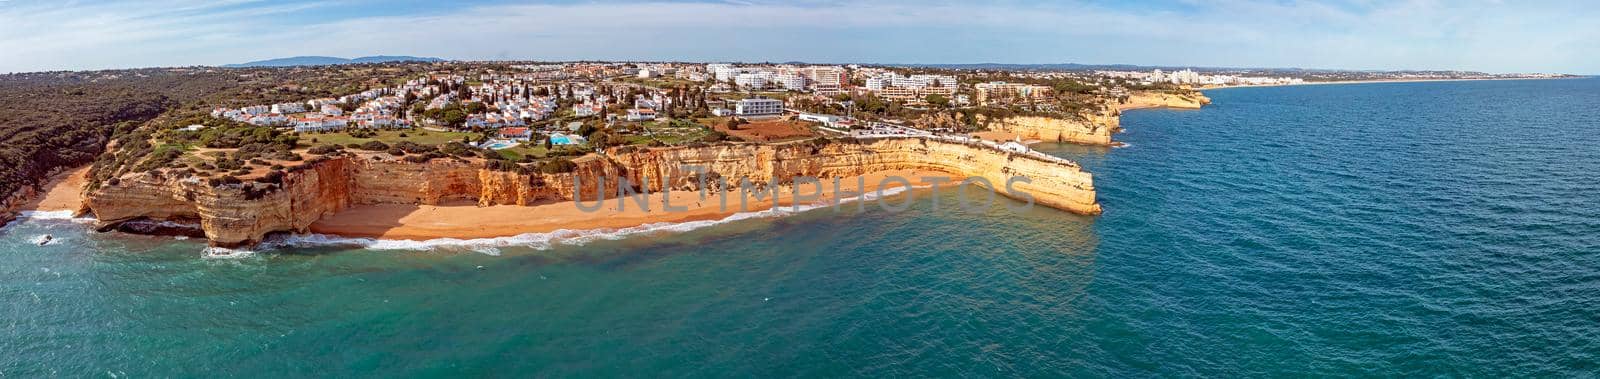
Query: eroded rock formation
<point x="236" y="214"/>
<point x="1093" y="129"/>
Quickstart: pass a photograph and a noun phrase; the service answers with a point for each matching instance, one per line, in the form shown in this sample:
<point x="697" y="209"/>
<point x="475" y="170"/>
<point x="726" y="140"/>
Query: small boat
<point x="223" y="253"/>
<point x="43" y="240"/>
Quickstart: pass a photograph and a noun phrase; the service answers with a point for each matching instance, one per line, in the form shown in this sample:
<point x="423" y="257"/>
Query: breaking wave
<point x="546" y="240"/>
<point x="54" y="215"/>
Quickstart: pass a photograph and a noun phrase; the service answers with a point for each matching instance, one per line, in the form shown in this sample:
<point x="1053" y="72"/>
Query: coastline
<point x="1374" y="81"/>
<point x="469" y="221"/>
<point x="62" y="192"/>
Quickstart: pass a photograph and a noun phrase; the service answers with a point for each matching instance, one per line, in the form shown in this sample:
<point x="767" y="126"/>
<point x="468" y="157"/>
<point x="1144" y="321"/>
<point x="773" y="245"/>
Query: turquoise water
<point x="1376" y="229"/>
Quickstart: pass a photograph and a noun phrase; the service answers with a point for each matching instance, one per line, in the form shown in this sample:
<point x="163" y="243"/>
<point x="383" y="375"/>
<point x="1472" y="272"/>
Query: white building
<point x="825" y="119"/>
<point x="287" y="108"/>
<point x="750" y="81"/>
<point x="722" y="71"/>
<point x="877" y="83"/>
<point x="641" y="114"/>
<point x="791" y="82"/>
<point x="826" y="79"/>
<point x="758" y="106"/>
<point x="332" y="110"/>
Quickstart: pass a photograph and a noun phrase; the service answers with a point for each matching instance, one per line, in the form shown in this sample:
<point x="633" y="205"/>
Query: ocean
<point x="1396" y="229"/>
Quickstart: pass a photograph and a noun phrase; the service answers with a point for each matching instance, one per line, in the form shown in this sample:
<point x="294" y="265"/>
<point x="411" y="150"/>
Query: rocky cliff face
<point x="235" y="215"/>
<point x="10" y="203"/>
<point x="1193" y="100"/>
<point x="1094" y="129"/>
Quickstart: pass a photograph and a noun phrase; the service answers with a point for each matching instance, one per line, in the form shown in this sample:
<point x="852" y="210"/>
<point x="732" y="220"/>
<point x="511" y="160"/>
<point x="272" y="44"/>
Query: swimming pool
<point x="498" y="145"/>
<point x="560" y="140"/>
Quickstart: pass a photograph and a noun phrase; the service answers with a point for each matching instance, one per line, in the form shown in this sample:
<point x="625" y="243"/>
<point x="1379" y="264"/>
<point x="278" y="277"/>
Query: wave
<point x="214" y="252"/>
<point x="546" y="240"/>
<point x="54" y="215"/>
<point x="44" y="240"/>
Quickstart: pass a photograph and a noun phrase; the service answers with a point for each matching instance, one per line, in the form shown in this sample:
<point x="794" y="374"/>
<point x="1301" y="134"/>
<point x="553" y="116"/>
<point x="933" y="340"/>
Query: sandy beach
<point x="423" y="222"/>
<point x="64" y="192"/>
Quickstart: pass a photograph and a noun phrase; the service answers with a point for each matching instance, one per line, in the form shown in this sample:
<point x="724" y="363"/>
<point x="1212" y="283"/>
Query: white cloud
<point x="1365" y="35"/>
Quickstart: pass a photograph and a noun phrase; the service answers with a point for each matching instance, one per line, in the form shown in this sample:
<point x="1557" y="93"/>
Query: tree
<point x="937" y="100"/>
<point x="454" y="118"/>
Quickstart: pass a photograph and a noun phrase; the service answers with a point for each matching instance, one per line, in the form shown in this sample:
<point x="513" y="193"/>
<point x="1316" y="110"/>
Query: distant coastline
<point x="1371" y="81"/>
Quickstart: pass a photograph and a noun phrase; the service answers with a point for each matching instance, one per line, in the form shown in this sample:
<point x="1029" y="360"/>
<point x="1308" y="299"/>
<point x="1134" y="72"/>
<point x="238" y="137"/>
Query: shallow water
<point x="1374" y="229"/>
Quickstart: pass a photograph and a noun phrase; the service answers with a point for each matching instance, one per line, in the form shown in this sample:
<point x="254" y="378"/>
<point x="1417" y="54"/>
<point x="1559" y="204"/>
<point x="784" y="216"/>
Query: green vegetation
<point x="51" y="121"/>
<point x="523" y="152"/>
<point x="668" y="133"/>
<point x="421" y="137"/>
<point x="57" y="119"/>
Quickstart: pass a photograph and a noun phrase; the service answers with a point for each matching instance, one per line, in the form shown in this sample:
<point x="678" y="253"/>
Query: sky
<point x="1478" y="35"/>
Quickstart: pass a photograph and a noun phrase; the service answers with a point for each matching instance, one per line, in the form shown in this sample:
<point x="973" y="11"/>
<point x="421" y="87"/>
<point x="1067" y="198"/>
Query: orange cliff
<point x="1092" y="129"/>
<point x="1088" y="128"/>
<point x="1140" y="100"/>
<point x="232" y="215"/>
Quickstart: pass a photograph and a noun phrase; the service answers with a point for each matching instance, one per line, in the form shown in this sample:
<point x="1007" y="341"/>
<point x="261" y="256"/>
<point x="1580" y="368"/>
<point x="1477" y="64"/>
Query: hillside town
<point x="544" y="106"/>
<point x="526" y="110"/>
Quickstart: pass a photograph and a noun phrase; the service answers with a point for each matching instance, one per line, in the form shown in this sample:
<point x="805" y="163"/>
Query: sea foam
<point x="547" y="240"/>
<point x="54" y="215"/>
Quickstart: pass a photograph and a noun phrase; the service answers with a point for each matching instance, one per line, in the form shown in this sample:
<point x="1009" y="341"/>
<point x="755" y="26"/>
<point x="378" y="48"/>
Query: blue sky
<point x="1482" y="35"/>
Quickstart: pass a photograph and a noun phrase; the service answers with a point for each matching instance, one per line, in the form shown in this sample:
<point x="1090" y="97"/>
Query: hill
<point x="323" y="61"/>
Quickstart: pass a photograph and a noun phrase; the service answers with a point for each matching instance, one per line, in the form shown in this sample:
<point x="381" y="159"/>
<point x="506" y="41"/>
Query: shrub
<point x="225" y="179"/>
<point x="502" y="166"/>
<point x="714" y="136"/>
<point x="324" y="149"/>
<point x="273" y="177"/>
<point x="558" y="166"/>
<point x="414" y="148"/>
<point x="229" y="164"/>
<point x="375" y="146"/>
<point x="398" y="152"/>
<point x="456" y="149"/>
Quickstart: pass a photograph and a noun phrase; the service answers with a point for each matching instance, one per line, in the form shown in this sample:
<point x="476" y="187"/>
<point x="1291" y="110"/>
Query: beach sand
<point x="423" y="222"/>
<point x="64" y="192"/>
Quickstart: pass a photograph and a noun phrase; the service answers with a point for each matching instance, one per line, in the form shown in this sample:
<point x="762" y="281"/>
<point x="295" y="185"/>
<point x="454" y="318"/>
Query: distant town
<point x="566" y="104"/>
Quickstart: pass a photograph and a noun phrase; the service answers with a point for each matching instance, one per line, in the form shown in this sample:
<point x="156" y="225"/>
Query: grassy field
<point x="418" y="136"/>
<point x="671" y="133"/>
<point x="526" y="149"/>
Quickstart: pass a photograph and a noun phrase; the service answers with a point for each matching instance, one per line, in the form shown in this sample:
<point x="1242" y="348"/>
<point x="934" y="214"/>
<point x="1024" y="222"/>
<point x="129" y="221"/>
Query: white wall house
<point x="758" y="106"/>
